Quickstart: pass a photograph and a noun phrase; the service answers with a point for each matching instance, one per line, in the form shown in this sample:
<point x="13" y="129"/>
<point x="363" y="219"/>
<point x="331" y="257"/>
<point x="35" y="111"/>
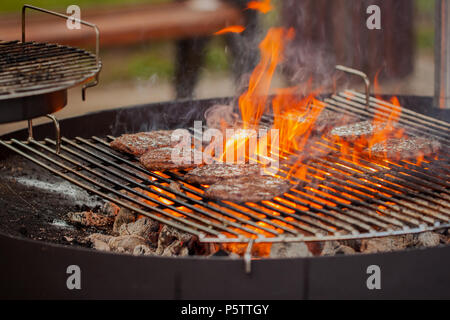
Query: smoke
<point x="221" y="116"/>
<point x="310" y="67"/>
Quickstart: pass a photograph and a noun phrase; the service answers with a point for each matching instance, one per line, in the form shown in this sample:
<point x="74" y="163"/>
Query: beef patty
<point x="328" y="119"/>
<point x="139" y="143"/>
<point x="217" y="172"/>
<point x="404" y="148"/>
<point x="248" y="189"/>
<point x="162" y="159"/>
<point x="354" y="131"/>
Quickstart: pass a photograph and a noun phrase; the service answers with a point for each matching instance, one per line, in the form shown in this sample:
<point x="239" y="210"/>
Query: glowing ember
<point x="230" y="29"/>
<point x="263" y="6"/>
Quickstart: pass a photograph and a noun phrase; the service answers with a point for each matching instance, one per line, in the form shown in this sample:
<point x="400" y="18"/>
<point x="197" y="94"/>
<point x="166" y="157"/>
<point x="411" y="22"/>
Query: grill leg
<point x="30" y="130"/>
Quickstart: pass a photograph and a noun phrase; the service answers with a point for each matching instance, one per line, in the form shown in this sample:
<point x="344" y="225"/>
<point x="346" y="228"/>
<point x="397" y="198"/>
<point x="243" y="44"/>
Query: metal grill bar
<point x="339" y="199"/>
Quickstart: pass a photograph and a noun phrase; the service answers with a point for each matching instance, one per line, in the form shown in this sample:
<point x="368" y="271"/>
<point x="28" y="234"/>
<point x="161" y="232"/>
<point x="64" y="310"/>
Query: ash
<point x="75" y="194"/>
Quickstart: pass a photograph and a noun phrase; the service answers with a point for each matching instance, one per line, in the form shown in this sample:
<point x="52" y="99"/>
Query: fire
<point x="388" y="126"/>
<point x="253" y="102"/>
<point x="294" y="116"/>
<point x="263" y="6"/>
<point x="230" y="29"/>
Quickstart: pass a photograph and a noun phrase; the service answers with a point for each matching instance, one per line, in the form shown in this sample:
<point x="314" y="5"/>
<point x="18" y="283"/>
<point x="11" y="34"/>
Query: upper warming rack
<point x="29" y="68"/>
<point x="34" y="77"/>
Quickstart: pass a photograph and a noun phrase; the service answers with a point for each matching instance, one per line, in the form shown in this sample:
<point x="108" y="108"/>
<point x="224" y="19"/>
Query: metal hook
<point x="361" y="75"/>
<point x="57" y="132"/>
<point x="88" y="85"/>
<point x="97" y="39"/>
<point x="248" y="257"/>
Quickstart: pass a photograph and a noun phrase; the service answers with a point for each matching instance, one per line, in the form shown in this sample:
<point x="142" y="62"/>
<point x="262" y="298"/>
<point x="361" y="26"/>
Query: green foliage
<point x="158" y="60"/>
<point x="425" y="6"/>
<point x="216" y="58"/>
<point x="424" y="24"/>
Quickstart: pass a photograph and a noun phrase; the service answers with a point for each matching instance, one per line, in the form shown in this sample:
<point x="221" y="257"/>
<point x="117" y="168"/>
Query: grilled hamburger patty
<point x="327" y="120"/>
<point x="248" y="189"/>
<point x="161" y="159"/>
<point x="139" y="143"/>
<point x="354" y="131"/>
<point x="217" y="172"/>
<point x="404" y="148"/>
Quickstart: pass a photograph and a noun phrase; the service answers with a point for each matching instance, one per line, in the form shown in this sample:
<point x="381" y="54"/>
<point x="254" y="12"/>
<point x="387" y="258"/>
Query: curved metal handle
<point x="359" y="74"/>
<point x="63" y="16"/>
<point x="57" y="132"/>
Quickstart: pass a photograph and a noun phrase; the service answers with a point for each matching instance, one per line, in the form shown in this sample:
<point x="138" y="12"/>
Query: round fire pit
<point x="41" y="260"/>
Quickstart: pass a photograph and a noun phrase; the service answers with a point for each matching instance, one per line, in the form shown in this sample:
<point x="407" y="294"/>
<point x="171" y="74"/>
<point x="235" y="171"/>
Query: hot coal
<point x="163" y="159"/>
<point x="290" y="250"/>
<point x="248" y="189"/>
<point x="139" y="143"/>
<point x="387" y="244"/>
<point x="124" y="216"/>
<point x="404" y="148"/>
<point x="144" y="227"/>
<point x="90" y="219"/>
<point x="217" y="172"/>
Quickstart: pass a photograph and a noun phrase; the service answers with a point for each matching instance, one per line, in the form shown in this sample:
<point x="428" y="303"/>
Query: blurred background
<point x="158" y="50"/>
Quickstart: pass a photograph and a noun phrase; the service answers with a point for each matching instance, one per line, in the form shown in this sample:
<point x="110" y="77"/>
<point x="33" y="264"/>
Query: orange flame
<point x="263" y="6"/>
<point x="253" y="102"/>
<point x="387" y="126"/>
<point x="230" y="29"/>
<point x="294" y="116"/>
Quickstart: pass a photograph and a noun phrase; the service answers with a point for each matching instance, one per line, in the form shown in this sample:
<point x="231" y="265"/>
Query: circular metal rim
<point x="70" y="84"/>
<point x="343" y="237"/>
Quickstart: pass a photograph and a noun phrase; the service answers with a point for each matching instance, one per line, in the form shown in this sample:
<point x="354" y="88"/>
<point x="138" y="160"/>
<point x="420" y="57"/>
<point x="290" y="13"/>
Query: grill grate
<point x="29" y="68"/>
<point x="354" y="201"/>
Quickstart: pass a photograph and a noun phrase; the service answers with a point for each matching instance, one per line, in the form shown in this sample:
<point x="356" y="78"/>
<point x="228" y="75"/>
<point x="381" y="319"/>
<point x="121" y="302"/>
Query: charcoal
<point x="176" y="248"/>
<point x="127" y="243"/>
<point x="290" y="250"/>
<point x="333" y="248"/>
<point x="173" y="238"/>
<point x="90" y="219"/>
<point x="99" y="237"/>
<point x="124" y="216"/>
<point x="100" y="245"/>
<point x="110" y="209"/>
<point x="387" y="244"/>
<point x="144" y="227"/>
<point x="99" y="241"/>
<point x="143" y="250"/>
<point x="429" y="239"/>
